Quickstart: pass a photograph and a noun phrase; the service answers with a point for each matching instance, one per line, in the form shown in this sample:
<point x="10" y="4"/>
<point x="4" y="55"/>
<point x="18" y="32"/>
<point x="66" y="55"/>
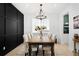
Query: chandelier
<point x="41" y="14"/>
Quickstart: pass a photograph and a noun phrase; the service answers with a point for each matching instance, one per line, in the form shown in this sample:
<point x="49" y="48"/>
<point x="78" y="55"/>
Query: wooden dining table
<point x="43" y="41"/>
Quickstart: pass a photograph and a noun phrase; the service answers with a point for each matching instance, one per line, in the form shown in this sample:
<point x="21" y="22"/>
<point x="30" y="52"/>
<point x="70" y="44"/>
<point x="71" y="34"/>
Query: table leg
<point x="75" y="47"/>
<point x="52" y="51"/>
<point x="29" y="50"/>
<point x="37" y="50"/>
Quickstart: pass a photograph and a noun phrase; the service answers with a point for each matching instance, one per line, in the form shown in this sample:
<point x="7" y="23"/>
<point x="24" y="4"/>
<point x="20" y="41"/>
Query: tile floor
<point x="60" y="50"/>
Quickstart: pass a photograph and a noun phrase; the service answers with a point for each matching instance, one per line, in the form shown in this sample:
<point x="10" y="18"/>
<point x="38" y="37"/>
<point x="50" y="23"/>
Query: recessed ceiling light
<point x="55" y="5"/>
<point x="27" y="5"/>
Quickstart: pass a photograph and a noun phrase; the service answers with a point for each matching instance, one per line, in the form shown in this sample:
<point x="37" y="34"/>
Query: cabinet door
<point x="11" y="27"/>
<point x="1" y="35"/>
<point x="11" y="11"/>
<point x="1" y="9"/>
<point x="10" y="43"/>
<point x="20" y="23"/>
<point x="20" y="27"/>
<point x="1" y="45"/>
<point x="1" y="19"/>
<point x="1" y="28"/>
<point x="11" y="20"/>
<point x="11" y="34"/>
<point x="20" y="39"/>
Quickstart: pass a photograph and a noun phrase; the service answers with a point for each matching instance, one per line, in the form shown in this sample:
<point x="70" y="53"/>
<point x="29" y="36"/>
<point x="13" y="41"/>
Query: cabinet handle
<point x="4" y="48"/>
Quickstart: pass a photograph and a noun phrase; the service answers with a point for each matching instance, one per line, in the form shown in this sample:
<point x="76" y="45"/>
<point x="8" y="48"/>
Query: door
<point x="1" y="35"/>
<point x="1" y="28"/>
<point x="11" y="27"/>
<point x="20" y="23"/>
<point x="20" y="27"/>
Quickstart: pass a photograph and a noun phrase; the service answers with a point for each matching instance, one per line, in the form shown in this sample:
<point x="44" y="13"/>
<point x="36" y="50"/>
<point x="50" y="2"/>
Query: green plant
<point x="40" y="28"/>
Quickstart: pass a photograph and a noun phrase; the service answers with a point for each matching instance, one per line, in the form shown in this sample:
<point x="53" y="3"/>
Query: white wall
<point x="72" y="10"/>
<point x="27" y="23"/>
<point x="54" y="25"/>
<point x="64" y="37"/>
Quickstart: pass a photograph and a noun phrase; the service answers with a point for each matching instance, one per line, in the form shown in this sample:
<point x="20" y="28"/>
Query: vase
<point x="41" y="34"/>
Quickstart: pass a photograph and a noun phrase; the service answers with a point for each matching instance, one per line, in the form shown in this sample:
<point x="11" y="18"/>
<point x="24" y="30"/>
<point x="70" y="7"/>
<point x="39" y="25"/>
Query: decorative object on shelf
<point x="41" y="16"/>
<point x="76" y="22"/>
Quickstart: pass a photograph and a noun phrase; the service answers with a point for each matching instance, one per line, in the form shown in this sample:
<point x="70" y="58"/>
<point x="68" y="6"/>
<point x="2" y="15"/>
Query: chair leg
<point x="26" y="54"/>
<point x="37" y="50"/>
<point x="43" y="52"/>
<point x="36" y="53"/>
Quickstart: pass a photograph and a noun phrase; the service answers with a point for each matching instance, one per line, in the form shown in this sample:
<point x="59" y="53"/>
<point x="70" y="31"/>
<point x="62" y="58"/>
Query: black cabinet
<point x="10" y="43"/>
<point x="20" y="23"/>
<point x="1" y="9"/>
<point x="20" y="39"/>
<point x="1" y="28"/>
<point x="11" y="27"/>
<point x="20" y="27"/>
<point x="11" y="11"/>
<point x="1" y="45"/>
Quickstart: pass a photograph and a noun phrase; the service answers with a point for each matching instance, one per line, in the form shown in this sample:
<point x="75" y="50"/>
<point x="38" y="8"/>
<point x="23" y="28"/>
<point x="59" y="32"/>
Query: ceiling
<point x="48" y="8"/>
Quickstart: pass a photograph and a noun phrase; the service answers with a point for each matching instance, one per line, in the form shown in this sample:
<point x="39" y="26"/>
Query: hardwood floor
<point x="60" y="50"/>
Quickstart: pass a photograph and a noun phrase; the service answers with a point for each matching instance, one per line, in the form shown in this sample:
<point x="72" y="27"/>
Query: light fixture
<point x="41" y="15"/>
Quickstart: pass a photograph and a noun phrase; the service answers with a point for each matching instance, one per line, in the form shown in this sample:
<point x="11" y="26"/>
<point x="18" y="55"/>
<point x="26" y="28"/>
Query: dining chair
<point x="25" y="43"/>
<point x="47" y="48"/>
<point x="34" y="47"/>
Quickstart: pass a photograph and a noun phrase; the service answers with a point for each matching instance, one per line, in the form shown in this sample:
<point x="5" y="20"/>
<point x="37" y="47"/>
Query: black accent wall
<point x="11" y="28"/>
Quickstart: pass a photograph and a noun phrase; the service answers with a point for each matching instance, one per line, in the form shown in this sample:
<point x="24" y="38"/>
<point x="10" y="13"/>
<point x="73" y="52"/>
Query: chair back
<point x="29" y="36"/>
<point x="25" y="37"/>
<point x="50" y="36"/>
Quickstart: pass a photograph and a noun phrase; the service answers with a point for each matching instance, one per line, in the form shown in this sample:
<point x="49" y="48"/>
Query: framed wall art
<point x="76" y="22"/>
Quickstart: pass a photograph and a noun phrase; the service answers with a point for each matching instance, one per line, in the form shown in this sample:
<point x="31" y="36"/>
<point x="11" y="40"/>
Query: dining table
<point x="44" y="41"/>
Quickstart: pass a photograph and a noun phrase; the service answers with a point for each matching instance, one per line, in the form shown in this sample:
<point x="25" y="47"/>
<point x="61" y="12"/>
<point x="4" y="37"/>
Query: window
<point x="37" y="22"/>
<point x="66" y="24"/>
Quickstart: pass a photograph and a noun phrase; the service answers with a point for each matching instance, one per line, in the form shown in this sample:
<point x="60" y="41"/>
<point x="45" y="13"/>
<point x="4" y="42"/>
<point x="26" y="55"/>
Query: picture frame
<point x="76" y="22"/>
